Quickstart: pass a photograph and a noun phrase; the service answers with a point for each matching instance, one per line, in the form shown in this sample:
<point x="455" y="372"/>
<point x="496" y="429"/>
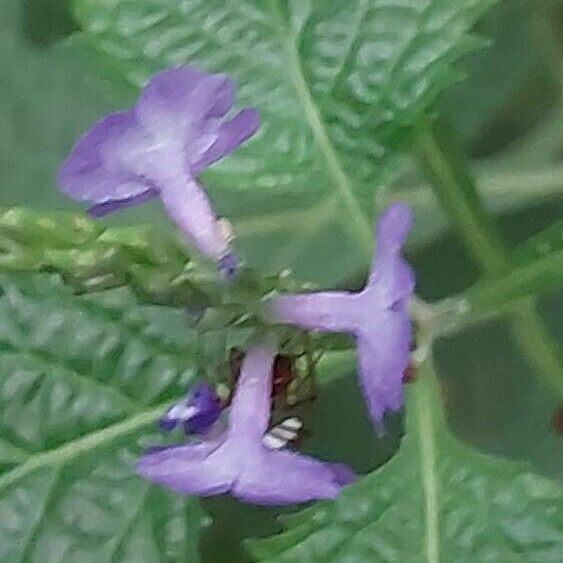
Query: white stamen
<point x="273" y="443"/>
<point x="293" y="422"/>
<point x="283" y="433"/>
<point x="181" y="412"/>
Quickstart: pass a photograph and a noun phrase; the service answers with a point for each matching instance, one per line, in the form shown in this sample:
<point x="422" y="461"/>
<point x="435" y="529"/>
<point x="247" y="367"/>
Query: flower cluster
<point x="177" y="129"/>
<point x="236" y="460"/>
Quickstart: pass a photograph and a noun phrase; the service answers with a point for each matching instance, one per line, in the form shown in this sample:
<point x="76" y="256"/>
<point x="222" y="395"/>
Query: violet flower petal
<point x="329" y="311"/>
<point x="391" y="277"/>
<point x="197" y="412"/>
<point x="181" y="101"/>
<point x="189" y="207"/>
<point x="200" y="469"/>
<point x="230" y="135"/>
<point x="238" y="462"/>
<point x="173" y="133"/>
<point x="283" y="477"/>
<point x="90" y="174"/>
<point x="110" y="206"/>
<point x="382" y="361"/>
<point x="377" y="316"/>
<point x="206" y="409"/>
<point x="250" y="408"/>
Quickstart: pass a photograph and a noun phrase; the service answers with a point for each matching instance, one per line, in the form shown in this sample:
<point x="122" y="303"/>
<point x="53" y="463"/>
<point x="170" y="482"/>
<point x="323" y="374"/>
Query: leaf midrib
<point x="71" y="450"/>
<point x="359" y="226"/>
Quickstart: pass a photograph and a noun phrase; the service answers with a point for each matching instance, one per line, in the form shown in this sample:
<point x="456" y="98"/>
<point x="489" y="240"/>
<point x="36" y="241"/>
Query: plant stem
<point x="455" y="189"/>
<point x="424" y="417"/>
<point x="541" y="350"/>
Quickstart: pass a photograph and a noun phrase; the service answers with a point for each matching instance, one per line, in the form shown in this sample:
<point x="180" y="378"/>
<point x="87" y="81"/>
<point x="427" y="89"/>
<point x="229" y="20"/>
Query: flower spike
<point x="377" y="316"/>
<point x="175" y="131"/>
<point x="237" y="461"/>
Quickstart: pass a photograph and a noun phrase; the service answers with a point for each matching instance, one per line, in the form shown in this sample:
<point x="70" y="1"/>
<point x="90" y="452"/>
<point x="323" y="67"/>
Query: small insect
<point x="287" y="432"/>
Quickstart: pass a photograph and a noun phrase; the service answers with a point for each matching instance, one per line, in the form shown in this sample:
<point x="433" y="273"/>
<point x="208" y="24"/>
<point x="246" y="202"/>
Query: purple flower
<point x="377" y="316"/>
<point x="175" y="131"/>
<point x="197" y="412"/>
<point x="237" y="461"/>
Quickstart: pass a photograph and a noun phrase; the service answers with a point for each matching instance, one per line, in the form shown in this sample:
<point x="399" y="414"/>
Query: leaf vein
<point x="83" y="445"/>
<point x="83" y="378"/>
<point x="360" y="225"/>
<point x="26" y="556"/>
<point x="115" y="554"/>
<point x="351" y="49"/>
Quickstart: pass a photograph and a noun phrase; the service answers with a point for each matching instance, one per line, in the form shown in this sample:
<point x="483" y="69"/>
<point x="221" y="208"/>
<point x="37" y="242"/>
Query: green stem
<point x="540" y="349"/>
<point x="424" y="417"/>
<point x="455" y="189"/>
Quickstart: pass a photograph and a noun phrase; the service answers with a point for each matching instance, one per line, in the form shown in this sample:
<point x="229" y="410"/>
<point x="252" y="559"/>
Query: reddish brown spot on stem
<point x="557" y="421"/>
<point x="409" y="374"/>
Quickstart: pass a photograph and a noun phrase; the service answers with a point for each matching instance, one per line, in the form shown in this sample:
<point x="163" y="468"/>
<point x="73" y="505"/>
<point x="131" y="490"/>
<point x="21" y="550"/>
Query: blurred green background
<point x="507" y="116"/>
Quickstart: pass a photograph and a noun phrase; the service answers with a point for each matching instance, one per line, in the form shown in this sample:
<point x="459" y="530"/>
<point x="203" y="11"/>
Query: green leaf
<point x="82" y="380"/>
<point x="339" y="88"/>
<point x="436" y="500"/>
<point x="537" y="267"/>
